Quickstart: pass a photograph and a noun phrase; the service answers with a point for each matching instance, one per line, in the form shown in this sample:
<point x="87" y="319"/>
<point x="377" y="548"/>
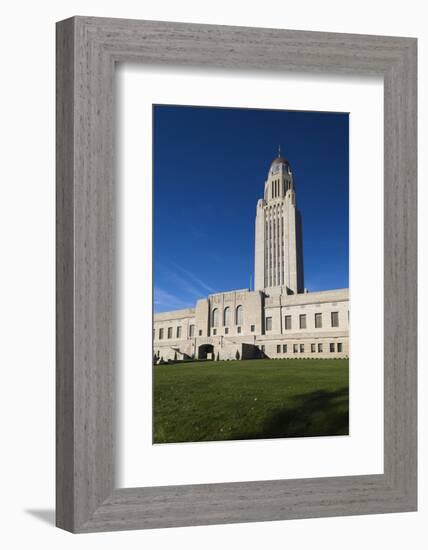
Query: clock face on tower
<point x="275" y="169"/>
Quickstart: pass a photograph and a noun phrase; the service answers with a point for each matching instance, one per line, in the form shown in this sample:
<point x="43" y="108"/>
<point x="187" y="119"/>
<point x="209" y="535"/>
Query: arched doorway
<point x="204" y="350"/>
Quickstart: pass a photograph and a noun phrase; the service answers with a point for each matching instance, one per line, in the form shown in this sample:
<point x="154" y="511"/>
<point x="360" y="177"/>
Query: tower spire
<point x="278" y="253"/>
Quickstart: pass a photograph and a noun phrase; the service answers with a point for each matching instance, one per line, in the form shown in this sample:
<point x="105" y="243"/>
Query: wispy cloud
<point x="184" y="288"/>
<point x="196" y="280"/>
<point x="165" y="299"/>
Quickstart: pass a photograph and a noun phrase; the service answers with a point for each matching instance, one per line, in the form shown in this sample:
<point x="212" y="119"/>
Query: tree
<point x="218" y="356"/>
<point x="175" y="356"/>
<point x="237" y="356"/>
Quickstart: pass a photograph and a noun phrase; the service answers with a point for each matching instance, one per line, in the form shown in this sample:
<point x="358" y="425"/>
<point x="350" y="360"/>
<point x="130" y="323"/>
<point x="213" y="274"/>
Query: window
<point x="178" y="334"/>
<point x="295" y="348"/>
<point x="284" y="348"/>
<point x="268" y="323"/>
<point x="334" y="318"/>
<point x="191" y="331"/>
<point x="161" y="334"/>
<point x="169" y="333"/>
<point x="226" y="316"/>
<point x="239" y="330"/>
<point x="239" y="315"/>
<point x="253" y="328"/>
<point x="319" y="348"/>
<point x="302" y="321"/>
<point x="226" y="330"/>
<point x="318" y="320"/>
<point x="302" y="348"/>
<point x="200" y="333"/>
<point x="278" y="348"/>
<point x="287" y="322"/>
<point x="339" y="347"/>
<point x="214" y="318"/>
<point x="312" y="348"/>
<point x="331" y="348"/>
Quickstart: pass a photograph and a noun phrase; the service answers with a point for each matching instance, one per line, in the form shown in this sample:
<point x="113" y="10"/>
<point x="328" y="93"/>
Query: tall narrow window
<point x="318" y="320"/>
<point x="334" y="318"/>
<point x="295" y="348"/>
<point x="287" y="322"/>
<point x="239" y="315"/>
<point x="284" y="348"/>
<point x="214" y="318"/>
<point x="319" y="348"/>
<point x="278" y="348"/>
<point x="302" y="321"/>
<point x="302" y="348"/>
<point x="169" y="333"/>
<point x="339" y="347"/>
<point x="178" y="334"/>
<point x="312" y="348"/>
<point x="226" y="316"/>
<point x="191" y="331"/>
<point x="331" y="348"/>
<point x="161" y="334"/>
<point x="268" y="323"/>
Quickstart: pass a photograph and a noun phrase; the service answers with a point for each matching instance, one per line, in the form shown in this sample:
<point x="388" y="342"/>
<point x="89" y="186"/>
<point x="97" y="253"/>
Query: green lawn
<point x="224" y="400"/>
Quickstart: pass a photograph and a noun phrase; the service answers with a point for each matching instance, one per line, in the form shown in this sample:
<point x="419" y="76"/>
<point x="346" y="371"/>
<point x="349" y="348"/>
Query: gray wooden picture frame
<point x="87" y="50"/>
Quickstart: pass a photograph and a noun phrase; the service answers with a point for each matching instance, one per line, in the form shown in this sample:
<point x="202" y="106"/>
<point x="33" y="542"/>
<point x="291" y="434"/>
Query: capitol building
<point x="279" y="318"/>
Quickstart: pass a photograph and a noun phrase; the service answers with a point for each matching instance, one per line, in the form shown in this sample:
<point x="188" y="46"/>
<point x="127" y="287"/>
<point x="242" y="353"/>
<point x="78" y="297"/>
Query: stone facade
<point x="279" y="318"/>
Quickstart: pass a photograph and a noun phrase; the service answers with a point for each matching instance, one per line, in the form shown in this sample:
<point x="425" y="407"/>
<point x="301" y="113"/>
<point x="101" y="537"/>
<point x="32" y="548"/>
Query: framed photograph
<point x="206" y="159"/>
<point x="236" y="274"/>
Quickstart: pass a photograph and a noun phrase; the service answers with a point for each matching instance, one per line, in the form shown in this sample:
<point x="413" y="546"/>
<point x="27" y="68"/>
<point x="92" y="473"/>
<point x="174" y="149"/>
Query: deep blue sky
<point x="210" y="165"/>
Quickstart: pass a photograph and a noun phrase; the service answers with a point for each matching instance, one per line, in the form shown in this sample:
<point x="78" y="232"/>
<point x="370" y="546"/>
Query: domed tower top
<point x="279" y="163"/>
<point x="279" y="160"/>
<point x="279" y="179"/>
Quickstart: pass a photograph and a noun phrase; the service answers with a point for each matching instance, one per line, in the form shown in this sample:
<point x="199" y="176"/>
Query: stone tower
<point x="278" y="244"/>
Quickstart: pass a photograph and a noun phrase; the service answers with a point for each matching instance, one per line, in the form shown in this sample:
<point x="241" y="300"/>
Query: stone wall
<point x="254" y="336"/>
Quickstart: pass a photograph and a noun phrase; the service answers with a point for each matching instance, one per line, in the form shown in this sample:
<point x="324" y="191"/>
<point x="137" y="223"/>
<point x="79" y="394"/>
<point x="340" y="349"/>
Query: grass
<point x="227" y="400"/>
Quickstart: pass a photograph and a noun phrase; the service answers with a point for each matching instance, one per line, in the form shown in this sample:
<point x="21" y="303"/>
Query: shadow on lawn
<point x="319" y="413"/>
